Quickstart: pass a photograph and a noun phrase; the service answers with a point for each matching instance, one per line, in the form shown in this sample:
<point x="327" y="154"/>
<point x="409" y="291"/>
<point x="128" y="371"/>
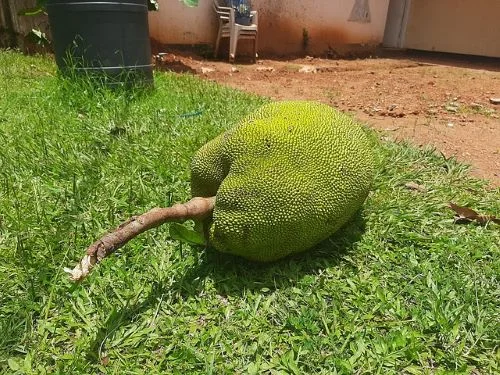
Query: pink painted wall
<point x="282" y="25"/>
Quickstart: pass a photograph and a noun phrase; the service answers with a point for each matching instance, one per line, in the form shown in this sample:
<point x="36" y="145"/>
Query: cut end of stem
<point x="197" y="208"/>
<point x="82" y="269"/>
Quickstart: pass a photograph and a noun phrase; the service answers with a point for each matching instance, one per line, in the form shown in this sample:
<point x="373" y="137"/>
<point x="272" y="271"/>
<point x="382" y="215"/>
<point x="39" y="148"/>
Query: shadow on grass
<point x="233" y="276"/>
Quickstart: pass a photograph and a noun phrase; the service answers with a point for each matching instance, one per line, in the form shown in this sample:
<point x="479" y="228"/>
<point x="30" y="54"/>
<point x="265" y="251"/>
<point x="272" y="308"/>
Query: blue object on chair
<point x="242" y="10"/>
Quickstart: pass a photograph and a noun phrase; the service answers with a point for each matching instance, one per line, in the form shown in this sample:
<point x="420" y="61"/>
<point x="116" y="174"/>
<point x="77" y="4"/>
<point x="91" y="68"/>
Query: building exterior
<point x="285" y="26"/>
<point x="457" y="26"/>
<point x="339" y="27"/>
<point x="316" y="27"/>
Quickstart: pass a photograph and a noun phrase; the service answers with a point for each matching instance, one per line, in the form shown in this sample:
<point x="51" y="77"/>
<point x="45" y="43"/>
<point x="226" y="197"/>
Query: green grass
<point x="400" y="290"/>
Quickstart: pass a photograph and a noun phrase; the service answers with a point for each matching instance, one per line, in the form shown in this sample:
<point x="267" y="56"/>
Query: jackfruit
<point x="285" y="178"/>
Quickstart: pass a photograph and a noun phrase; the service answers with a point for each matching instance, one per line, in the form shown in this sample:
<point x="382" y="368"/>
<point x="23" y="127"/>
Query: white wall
<point x="281" y="25"/>
<point x="459" y="26"/>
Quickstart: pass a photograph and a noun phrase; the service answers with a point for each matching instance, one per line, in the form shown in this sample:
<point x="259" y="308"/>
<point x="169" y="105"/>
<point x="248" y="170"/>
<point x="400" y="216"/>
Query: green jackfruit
<point x="285" y="178"/>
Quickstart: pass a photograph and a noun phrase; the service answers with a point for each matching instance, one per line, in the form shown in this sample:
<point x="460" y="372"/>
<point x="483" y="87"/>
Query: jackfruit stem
<point x="197" y="208"/>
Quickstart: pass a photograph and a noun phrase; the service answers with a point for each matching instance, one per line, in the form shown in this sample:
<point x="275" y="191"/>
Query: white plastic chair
<point x="228" y="28"/>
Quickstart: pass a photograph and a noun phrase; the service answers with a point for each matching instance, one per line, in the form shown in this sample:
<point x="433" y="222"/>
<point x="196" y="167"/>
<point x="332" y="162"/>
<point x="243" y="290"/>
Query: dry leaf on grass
<point x="465" y="215"/>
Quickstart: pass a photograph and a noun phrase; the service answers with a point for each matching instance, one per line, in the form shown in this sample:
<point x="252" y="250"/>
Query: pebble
<point x="206" y="70"/>
<point x="265" y="69"/>
<point x="308" y="69"/>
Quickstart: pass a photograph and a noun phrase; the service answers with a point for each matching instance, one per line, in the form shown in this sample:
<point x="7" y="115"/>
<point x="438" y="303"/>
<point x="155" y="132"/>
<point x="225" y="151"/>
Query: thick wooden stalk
<point x="197" y="208"/>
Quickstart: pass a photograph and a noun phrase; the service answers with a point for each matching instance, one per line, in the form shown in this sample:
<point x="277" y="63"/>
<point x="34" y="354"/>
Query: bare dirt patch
<point x="442" y="100"/>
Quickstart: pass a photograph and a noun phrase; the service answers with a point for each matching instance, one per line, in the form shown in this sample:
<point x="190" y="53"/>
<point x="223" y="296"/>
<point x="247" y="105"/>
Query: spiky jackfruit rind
<point x="285" y="178"/>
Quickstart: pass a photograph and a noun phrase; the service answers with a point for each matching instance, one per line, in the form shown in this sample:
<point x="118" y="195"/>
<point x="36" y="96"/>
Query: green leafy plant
<point x="38" y="37"/>
<point x="190" y="3"/>
<point x="153" y="5"/>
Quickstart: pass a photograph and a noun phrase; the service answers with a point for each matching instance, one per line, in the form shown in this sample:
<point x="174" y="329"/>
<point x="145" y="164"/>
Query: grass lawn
<point x="401" y="289"/>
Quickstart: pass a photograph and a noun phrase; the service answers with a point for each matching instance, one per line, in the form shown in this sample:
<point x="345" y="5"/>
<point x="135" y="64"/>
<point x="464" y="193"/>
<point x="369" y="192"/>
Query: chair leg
<point x="255" y="49"/>
<point x="233" y="44"/>
<point x="217" y="43"/>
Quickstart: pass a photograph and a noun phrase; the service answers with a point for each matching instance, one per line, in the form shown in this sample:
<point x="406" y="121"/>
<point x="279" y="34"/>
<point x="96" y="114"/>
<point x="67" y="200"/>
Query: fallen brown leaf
<point x="467" y="215"/>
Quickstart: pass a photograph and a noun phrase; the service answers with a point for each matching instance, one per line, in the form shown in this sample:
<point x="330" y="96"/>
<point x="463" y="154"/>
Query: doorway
<point x="395" y="26"/>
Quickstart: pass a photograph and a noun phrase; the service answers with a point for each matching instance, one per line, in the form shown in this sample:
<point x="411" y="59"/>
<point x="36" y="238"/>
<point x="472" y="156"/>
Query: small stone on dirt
<point x="495" y="100"/>
<point x="206" y="70"/>
<point x="265" y="69"/>
<point x="234" y="69"/>
<point x="308" y="69"/>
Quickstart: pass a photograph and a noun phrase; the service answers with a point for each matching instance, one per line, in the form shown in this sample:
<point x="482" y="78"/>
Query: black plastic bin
<point x="106" y="39"/>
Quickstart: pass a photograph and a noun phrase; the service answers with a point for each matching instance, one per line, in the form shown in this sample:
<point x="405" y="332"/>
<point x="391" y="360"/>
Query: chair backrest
<point x="227" y="15"/>
<point x="224" y="13"/>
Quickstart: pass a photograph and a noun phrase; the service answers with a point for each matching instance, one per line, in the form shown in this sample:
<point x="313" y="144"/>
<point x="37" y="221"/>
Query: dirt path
<point x="427" y="99"/>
